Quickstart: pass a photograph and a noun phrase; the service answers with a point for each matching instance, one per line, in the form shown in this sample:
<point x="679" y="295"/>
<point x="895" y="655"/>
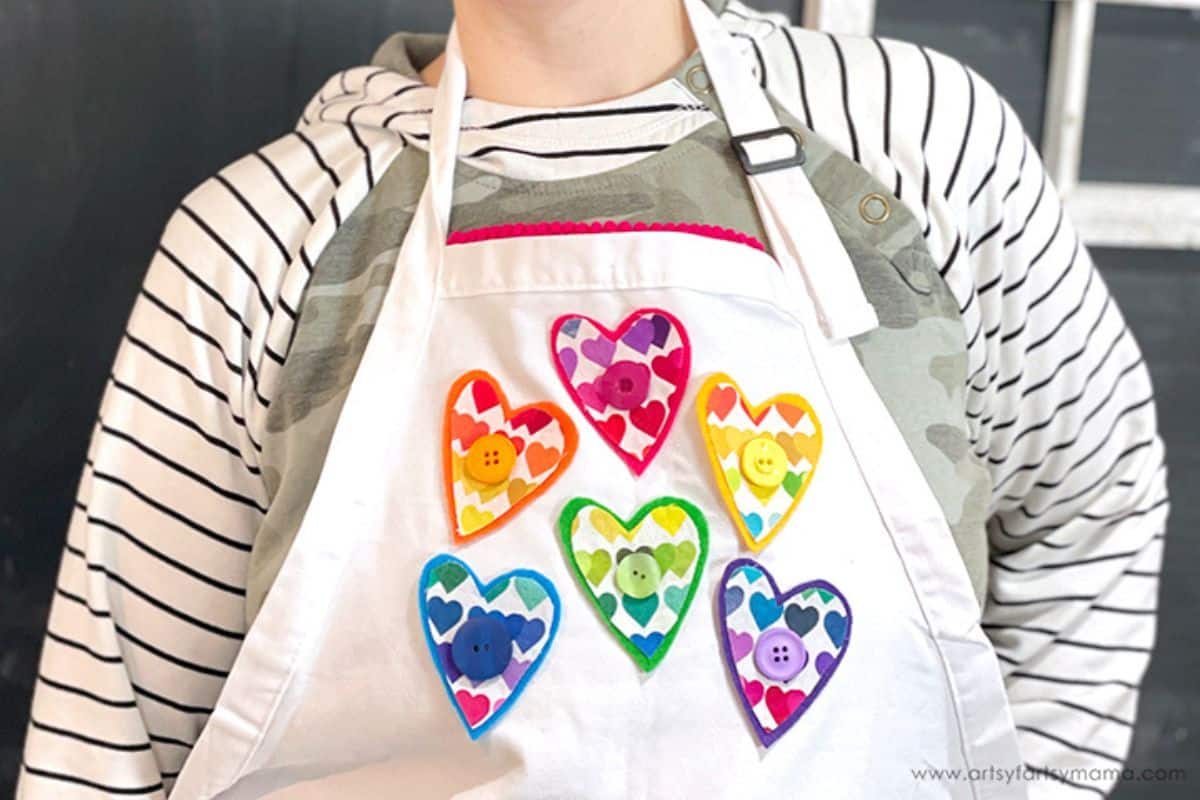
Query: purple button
<point x="780" y="655"/>
<point x="625" y="385"/>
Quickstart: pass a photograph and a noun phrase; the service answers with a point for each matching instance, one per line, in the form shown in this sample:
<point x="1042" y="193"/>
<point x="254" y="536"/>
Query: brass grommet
<point x="698" y="80"/>
<point x="875" y="208"/>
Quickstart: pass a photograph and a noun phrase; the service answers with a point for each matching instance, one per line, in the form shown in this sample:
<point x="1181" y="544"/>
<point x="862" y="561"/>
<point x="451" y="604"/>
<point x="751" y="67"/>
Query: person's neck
<point x="546" y="53"/>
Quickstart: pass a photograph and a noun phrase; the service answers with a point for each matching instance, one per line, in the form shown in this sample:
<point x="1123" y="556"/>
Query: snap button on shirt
<point x="780" y="655"/>
<point x="638" y="575"/>
<point x="482" y="648"/>
<point x="490" y="459"/>
<point x="764" y="463"/>
<point x="624" y="385"/>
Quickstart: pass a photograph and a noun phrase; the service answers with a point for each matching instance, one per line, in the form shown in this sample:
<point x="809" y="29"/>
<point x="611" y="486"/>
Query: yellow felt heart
<point x="472" y="519"/>
<point x="608" y="526"/>
<point x="730" y="440"/>
<point x="760" y="508"/>
<point x="669" y="518"/>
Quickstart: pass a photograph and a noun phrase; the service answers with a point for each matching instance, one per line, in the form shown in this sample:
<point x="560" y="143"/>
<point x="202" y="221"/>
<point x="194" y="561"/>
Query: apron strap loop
<point x="751" y="166"/>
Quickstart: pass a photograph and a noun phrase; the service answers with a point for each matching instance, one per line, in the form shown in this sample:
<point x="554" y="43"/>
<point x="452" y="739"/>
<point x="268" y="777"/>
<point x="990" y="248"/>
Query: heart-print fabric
<point x="526" y="603"/>
<point x="671" y="531"/>
<point x="542" y="435"/>
<point x="628" y="382"/>
<point x="728" y="422"/>
<point x="751" y="606"/>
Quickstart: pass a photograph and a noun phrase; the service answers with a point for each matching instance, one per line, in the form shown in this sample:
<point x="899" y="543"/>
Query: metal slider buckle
<point x="750" y="168"/>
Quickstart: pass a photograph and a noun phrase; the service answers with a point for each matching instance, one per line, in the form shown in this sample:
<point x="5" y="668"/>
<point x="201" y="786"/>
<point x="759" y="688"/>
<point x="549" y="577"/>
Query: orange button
<point x="491" y="458"/>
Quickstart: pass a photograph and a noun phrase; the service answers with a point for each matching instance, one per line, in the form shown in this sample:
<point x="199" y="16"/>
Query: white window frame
<point x="840" y="16"/>
<point x="1106" y="214"/>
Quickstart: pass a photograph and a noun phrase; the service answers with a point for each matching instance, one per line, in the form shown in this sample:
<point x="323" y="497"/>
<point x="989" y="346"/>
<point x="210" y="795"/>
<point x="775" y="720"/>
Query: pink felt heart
<point x="753" y="691"/>
<point x="474" y="706"/>
<point x="626" y="381"/>
<point x="782" y="704"/>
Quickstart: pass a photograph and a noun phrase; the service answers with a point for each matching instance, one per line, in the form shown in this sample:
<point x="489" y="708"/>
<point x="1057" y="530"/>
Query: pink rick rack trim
<point x="516" y="229"/>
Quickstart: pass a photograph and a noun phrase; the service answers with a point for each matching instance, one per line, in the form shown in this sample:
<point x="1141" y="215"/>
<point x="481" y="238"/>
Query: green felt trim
<point x="565" y="521"/>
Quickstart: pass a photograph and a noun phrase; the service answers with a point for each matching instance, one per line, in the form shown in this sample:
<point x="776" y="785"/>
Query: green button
<point x="638" y="575"/>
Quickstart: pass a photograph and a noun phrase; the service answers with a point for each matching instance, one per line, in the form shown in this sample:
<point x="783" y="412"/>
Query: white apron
<point x="853" y="633"/>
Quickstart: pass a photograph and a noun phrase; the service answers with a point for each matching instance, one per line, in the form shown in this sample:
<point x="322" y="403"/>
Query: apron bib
<point x="624" y="505"/>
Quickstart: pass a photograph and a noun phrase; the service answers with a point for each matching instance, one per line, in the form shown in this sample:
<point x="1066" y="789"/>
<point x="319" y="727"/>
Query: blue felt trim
<point x="537" y="577"/>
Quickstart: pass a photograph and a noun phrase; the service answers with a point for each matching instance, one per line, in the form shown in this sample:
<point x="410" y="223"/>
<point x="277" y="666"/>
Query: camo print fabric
<point x="916" y="358"/>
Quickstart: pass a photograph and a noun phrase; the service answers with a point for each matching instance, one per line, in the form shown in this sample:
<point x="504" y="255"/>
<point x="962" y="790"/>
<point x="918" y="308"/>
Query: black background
<point x="112" y="111"/>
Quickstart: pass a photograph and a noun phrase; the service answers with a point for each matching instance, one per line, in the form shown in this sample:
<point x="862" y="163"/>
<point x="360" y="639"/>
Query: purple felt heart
<point x="774" y="699"/>
<point x="640" y="336"/>
<point x="598" y="350"/>
<point x="740" y="644"/>
<point x="568" y="360"/>
<point x="514" y="671"/>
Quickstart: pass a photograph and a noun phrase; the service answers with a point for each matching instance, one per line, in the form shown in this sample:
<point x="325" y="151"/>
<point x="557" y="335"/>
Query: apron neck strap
<point x="746" y="107"/>
<point x="770" y="155"/>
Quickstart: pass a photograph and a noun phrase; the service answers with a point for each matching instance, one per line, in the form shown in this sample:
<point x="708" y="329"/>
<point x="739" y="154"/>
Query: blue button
<point x="482" y="648"/>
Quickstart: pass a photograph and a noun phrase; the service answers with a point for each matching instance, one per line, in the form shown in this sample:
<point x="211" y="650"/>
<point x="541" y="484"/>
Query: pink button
<point x="624" y="385"/>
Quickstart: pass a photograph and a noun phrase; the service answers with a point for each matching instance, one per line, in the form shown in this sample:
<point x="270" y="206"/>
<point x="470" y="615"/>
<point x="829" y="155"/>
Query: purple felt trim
<point x="637" y="465"/>
<point x="769" y="738"/>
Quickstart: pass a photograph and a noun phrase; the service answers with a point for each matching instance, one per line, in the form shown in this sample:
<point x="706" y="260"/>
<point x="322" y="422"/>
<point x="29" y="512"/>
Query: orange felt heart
<point x="541" y="458"/>
<point x="543" y="440"/>
<point x="760" y="502"/>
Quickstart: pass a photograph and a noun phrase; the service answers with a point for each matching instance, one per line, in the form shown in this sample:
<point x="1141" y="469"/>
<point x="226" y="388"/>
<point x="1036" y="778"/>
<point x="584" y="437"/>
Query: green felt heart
<point x="733" y="478"/>
<point x="824" y="595"/>
<point x="594" y="565"/>
<point x="664" y="554"/>
<point x="495" y="591"/>
<point x="531" y="592"/>
<point x="684" y="555"/>
<point x="675" y="597"/>
<point x="792" y="482"/>
<point x="592" y="562"/>
<point x="450" y="575"/>
<point x="641" y="610"/>
<point x="608" y="604"/>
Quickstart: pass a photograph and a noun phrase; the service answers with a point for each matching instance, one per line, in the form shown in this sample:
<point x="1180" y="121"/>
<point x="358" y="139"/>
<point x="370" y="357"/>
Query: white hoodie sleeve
<point x="149" y="609"/>
<point x="1059" y="404"/>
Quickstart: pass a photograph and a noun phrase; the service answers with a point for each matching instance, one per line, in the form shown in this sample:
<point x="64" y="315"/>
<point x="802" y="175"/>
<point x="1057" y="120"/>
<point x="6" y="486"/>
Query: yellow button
<point x="764" y="463"/>
<point x="491" y="458"/>
<point x="638" y="575"/>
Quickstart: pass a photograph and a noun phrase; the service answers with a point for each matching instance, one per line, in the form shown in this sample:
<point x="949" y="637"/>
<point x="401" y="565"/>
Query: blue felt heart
<point x="733" y="599"/>
<point x="446" y="658"/>
<point x="480" y="704"/>
<point x="765" y="610"/>
<point x="801" y="619"/>
<point x="754" y="524"/>
<point x="752" y="574"/>
<point x="443" y="615"/>
<point x="647" y="644"/>
<point x="525" y="632"/>
<point x="531" y="633"/>
<point x="835" y="626"/>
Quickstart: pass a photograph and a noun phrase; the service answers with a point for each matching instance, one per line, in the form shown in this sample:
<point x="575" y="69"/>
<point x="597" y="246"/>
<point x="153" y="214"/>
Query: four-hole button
<point x="780" y="654"/>
<point x="491" y="458"/>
